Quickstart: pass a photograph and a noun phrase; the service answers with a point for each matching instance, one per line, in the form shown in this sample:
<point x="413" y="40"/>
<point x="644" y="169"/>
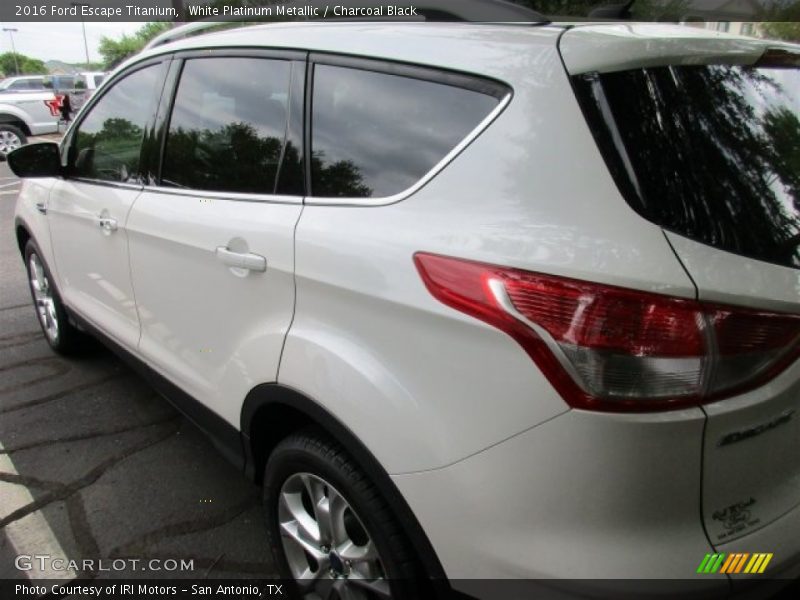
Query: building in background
<point x="738" y="17"/>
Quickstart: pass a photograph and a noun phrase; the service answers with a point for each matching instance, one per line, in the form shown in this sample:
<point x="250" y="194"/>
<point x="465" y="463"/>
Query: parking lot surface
<point x="95" y="465"/>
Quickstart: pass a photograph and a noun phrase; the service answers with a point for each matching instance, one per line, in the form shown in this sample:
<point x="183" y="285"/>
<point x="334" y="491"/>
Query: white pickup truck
<point x="26" y="113"/>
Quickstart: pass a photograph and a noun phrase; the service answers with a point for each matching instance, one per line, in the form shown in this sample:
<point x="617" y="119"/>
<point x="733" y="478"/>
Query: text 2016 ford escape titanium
<point x="472" y="301"/>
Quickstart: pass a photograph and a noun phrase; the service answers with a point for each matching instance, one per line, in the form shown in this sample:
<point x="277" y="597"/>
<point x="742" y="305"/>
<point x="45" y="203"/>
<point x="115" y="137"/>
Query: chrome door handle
<point x="107" y="223"/>
<point x="242" y="260"/>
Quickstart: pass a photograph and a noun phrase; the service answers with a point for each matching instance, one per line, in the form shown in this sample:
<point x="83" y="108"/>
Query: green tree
<point x="640" y="9"/>
<point x="783" y="30"/>
<point x="782" y="20"/>
<point x="115" y="51"/>
<point x="27" y="65"/>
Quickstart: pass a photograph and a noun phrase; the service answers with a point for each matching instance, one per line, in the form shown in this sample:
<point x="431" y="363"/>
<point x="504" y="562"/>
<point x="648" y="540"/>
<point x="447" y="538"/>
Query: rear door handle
<point x="41" y="207"/>
<point x="242" y="260"/>
<point x="107" y="223"/>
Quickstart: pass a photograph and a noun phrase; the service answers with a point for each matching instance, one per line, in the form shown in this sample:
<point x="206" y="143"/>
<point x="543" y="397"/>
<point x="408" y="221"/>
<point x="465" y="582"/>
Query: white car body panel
<point x="214" y="330"/>
<point x="92" y="263"/>
<point x="756" y="477"/>
<point x="779" y="538"/>
<point x="630" y="495"/>
<point x="33" y="193"/>
<point x="502" y="226"/>
<point x="728" y="278"/>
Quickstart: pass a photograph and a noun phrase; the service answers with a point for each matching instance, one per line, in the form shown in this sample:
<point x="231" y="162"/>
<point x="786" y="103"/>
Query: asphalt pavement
<point x="95" y="466"/>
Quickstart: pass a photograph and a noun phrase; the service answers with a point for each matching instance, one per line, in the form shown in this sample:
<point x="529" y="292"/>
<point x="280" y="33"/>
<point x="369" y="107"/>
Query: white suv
<point x="472" y="301"/>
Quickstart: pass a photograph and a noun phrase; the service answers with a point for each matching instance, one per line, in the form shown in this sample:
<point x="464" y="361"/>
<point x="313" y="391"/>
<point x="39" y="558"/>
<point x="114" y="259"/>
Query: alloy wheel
<point x="9" y="141"/>
<point x="43" y="298"/>
<point x="328" y="549"/>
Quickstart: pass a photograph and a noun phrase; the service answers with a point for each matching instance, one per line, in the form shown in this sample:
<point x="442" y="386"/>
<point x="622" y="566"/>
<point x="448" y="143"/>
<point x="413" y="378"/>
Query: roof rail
<point x="182" y="31"/>
<point x="476" y="11"/>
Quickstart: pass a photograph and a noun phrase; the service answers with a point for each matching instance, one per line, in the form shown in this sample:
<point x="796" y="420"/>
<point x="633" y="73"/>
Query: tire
<point x="309" y="464"/>
<point x="62" y="336"/>
<point x="11" y="138"/>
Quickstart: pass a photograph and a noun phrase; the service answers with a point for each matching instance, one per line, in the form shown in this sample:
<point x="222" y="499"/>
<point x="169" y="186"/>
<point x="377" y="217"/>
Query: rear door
<point x="707" y="145"/>
<point x="212" y="239"/>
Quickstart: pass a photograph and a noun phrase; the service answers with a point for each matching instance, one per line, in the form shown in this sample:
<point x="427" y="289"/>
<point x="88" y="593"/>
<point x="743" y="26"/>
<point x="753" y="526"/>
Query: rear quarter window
<point x="377" y="134"/>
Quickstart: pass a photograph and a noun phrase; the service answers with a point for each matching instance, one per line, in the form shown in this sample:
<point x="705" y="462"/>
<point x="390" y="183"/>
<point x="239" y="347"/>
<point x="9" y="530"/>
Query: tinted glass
<point x="228" y="125"/>
<point x="59" y="82"/>
<point x="108" y="141"/>
<point x="709" y="152"/>
<point x="376" y="134"/>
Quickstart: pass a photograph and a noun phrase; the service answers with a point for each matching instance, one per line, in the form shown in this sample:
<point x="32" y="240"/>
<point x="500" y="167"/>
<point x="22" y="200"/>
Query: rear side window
<point x="709" y="152"/>
<point x="228" y="125"/>
<point x="27" y="84"/>
<point x="376" y="134"/>
<point x="108" y="142"/>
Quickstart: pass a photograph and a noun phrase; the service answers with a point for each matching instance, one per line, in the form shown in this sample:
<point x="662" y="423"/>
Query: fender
<point x="10" y="113"/>
<point x="270" y="411"/>
<point x="29" y="222"/>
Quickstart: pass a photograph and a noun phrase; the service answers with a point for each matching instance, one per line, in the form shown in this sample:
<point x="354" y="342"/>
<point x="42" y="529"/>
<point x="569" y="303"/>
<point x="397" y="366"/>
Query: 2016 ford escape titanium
<point x="472" y="301"/>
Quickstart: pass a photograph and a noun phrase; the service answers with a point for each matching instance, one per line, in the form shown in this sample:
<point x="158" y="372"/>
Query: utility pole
<point x="11" y="31"/>
<point x="83" y="26"/>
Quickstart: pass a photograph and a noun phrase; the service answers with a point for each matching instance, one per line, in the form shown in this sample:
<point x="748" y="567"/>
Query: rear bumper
<point x="581" y="498"/>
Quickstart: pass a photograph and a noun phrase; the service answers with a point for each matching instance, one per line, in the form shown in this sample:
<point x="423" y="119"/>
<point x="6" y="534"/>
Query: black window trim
<point x="296" y="58"/>
<point x="150" y="166"/>
<point x="478" y="83"/>
<point x="69" y="136"/>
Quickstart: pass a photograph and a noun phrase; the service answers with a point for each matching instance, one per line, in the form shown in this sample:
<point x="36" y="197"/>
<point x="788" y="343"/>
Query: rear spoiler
<point x="605" y="48"/>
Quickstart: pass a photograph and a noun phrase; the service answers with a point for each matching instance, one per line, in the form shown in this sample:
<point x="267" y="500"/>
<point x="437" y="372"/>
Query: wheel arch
<point x="12" y="118"/>
<point x="273" y="411"/>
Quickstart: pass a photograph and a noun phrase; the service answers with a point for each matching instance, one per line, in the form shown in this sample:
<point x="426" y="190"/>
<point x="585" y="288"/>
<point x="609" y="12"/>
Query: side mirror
<point x="41" y="159"/>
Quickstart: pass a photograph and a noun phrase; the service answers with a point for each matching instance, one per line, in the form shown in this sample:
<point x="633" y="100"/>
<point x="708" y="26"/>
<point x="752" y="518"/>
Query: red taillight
<point x="614" y="349"/>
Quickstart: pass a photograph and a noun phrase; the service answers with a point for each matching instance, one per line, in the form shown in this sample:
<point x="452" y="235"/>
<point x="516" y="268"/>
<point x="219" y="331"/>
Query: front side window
<point x="377" y="134"/>
<point x="228" y="125"/>
<point x="107" y="144"/>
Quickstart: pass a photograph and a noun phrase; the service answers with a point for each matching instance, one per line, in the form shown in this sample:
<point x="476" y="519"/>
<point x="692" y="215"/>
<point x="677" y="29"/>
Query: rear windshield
<point x="710" y="152"/>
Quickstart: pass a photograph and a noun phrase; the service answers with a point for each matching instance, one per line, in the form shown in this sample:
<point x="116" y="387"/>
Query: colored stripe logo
<point x="735" y="562"/>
